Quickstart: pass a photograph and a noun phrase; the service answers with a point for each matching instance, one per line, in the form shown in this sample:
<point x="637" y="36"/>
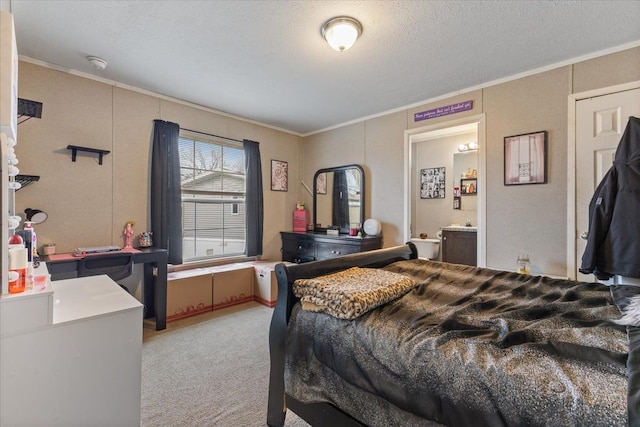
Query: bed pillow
<point x="351" y="293"/>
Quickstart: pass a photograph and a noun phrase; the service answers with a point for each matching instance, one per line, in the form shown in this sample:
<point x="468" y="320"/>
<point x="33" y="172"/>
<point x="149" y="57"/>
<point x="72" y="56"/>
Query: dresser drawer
<point x="300" y="247"/>
<point x="298" y="259"/>
<point x="332" y="250"/>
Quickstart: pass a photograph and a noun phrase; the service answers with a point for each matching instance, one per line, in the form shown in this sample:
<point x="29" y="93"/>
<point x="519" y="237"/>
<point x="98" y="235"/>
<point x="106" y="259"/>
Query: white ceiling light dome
<point x="341" y="32"/>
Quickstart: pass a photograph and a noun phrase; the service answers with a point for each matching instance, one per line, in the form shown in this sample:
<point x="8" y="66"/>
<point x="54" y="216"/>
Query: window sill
<point x="209" y="263"/>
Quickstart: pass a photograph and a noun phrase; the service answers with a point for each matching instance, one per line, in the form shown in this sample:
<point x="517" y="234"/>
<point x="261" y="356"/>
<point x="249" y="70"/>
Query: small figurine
<point x="128" y="232"/>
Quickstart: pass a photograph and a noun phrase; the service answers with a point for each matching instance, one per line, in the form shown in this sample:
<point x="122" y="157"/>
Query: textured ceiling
<point x="266" y="60"/>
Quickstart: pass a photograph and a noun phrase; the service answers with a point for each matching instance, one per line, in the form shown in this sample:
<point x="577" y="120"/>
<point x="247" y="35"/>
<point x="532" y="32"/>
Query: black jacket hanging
<point x="613" y="242"/>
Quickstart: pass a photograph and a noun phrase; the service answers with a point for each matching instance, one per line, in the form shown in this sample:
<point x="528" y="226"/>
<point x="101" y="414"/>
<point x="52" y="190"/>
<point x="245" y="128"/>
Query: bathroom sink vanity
<point x="459" y="245"/>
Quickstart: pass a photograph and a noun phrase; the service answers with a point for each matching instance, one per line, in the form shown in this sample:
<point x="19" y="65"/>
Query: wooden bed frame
<point x="316" y="414"/>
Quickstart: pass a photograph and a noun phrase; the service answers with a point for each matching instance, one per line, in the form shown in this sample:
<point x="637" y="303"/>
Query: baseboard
<point x="235" y="301"/>
<point x="189" y="313"/>
<point x="263" y="301"/>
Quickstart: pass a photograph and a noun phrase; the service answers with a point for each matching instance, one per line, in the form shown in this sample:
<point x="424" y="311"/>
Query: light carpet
<point x="209" y="370"/>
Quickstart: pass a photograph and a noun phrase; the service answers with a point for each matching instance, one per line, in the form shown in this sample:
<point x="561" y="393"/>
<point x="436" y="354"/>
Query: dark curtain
<point x="340" y="209"/>
<point x="166" y="197"/>
<point x="253" y="204"/>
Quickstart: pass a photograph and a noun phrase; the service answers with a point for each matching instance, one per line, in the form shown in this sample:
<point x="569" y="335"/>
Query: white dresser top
<point x="85" y="297"/>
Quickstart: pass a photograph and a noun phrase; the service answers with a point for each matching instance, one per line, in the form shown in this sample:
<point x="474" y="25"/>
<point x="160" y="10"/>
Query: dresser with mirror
<point x="338" y="207"/>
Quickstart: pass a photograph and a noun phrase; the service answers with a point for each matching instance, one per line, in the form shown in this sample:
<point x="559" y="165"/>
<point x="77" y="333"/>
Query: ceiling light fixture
<point x="98" y="63"/>
<point x="468" y="147"/>
<point x="341" y="32"/>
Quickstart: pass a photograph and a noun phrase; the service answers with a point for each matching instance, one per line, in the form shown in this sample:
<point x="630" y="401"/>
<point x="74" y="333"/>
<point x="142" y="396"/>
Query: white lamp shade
<point x="35" y="216"/>
<point x="341" y="33"/>
<point x="372" y="227"/>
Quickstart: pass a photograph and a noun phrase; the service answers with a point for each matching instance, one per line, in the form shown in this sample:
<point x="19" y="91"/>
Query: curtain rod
<point x="210" y="134"/>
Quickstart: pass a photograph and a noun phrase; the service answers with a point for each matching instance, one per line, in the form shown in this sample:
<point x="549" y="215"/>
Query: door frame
<point x="572" y="233"/>
<point x="441" y="129"/>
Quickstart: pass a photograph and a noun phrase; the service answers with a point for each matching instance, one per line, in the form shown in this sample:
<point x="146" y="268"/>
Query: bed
<point x="461" y="346"/>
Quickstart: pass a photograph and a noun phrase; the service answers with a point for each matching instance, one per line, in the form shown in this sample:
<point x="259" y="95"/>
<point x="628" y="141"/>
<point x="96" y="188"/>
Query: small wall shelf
<point x="74" y="150"/>
<point x="468" y="186"/>
<point x="25" y="180"/>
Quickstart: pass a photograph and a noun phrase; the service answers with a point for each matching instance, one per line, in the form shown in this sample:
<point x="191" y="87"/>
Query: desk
<point x="154" y="293"/>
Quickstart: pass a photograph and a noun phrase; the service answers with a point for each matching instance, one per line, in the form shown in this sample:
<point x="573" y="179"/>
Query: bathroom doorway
<point x="449" y="151"/>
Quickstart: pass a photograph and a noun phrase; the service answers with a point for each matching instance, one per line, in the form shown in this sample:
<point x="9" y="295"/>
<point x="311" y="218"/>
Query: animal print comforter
<point x="468" y="347"/>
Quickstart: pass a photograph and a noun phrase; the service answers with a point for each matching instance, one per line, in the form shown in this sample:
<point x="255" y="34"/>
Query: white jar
<point x="49" y="249"/>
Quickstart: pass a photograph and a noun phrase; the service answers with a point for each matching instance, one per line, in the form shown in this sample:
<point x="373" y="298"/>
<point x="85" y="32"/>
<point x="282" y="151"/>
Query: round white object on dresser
<point x="372" y="227"/>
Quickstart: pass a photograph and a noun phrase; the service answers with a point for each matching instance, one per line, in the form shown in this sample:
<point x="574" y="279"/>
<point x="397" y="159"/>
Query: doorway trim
<point x="572" y="232"/>
<point x="418" y="134"/>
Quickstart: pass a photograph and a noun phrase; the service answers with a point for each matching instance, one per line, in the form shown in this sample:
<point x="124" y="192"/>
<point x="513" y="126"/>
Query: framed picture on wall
<point x="432" y="183"/>
<point x="279" y="175"/>
<point x="525" y="159"/>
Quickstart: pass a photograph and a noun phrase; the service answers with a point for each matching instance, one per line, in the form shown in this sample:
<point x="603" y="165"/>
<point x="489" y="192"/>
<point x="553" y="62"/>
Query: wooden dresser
<point x="305" y="247"/>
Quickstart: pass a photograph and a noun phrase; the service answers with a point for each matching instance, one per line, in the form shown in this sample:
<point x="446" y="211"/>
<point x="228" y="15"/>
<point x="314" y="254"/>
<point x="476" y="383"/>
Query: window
<point x="213" y="195"/>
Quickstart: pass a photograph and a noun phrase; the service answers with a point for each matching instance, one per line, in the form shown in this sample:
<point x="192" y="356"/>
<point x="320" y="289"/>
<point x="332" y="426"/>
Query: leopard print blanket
<point x="350" y="293"/>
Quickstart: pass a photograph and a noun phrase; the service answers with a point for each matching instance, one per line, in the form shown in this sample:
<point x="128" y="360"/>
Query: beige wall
<point x="88" y="204"/>
<point x="530" y="218"/>
<point x="384" y="156"/>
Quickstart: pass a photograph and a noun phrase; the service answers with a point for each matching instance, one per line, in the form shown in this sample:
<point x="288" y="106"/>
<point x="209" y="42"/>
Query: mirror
<point x="464" y="165"/>
<point x="338" y="197"/>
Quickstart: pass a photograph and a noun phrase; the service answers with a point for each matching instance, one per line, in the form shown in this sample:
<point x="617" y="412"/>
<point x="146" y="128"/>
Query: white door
<point x="600" y="123"/>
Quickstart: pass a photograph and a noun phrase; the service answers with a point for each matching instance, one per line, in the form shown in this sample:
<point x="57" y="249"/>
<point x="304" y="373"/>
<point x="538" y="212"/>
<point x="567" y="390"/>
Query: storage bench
<point x="200" y="290"/>
<point x="189" y="292"/>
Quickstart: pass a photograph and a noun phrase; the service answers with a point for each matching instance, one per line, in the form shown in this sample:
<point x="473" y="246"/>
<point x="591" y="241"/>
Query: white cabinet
<point x="8" y="77"/>
<point x="82" y="369"/>
<point x="26" y="311"/>
<point x="8" y="130"/>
